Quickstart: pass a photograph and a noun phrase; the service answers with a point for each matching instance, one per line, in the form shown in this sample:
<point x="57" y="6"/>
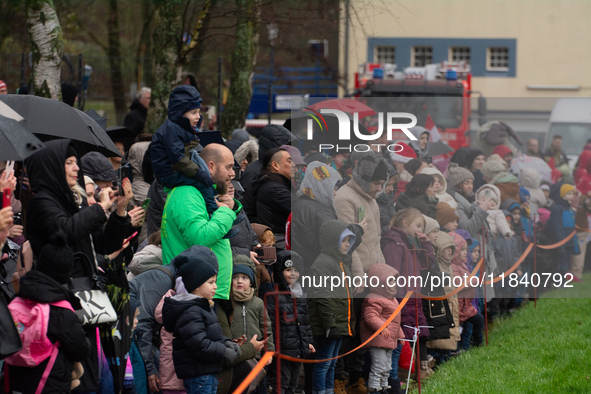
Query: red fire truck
<point x="440" y="91"/>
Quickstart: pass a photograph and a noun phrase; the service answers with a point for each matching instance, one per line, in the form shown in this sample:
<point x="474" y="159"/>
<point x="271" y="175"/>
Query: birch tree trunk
<point x="47" y="47"/>
<point x="243" y="58"/>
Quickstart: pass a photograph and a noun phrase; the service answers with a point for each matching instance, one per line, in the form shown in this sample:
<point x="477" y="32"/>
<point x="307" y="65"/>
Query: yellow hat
<point x="565" y="189"/>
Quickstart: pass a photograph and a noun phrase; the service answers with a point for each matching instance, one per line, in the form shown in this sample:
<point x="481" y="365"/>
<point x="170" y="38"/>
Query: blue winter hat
<point x="244" y="269"/>
<point x="523" y="194"/>
<point x="473" y="245"/>
<point x="347" y="233"/>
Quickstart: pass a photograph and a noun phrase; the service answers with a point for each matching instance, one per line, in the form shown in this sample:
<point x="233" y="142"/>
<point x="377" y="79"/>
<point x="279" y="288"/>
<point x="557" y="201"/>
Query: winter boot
<point x="394" y="386"/>
<point x="426" y="372"/>
<point x="357" y="387"/>
<point x="339" y="387"/>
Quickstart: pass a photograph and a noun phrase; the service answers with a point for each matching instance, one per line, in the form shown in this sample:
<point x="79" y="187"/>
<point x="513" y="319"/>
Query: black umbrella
<point x="123" y="135"/>
<point x="105" y="145"/>
<point x="51" y="119"/>
<point x="16" y="143"/>
<point x="97" y="118"/>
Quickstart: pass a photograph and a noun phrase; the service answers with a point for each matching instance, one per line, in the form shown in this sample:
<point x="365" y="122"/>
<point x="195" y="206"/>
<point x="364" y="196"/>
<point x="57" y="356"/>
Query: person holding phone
<point x="57" y="206"/>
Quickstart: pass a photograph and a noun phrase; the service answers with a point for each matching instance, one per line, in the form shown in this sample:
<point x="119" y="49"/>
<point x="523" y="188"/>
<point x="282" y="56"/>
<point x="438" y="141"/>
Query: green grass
<point x="543" y="350"/>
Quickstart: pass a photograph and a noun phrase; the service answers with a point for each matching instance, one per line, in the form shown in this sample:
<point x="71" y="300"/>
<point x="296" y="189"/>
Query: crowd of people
<point x="186" y="248"/>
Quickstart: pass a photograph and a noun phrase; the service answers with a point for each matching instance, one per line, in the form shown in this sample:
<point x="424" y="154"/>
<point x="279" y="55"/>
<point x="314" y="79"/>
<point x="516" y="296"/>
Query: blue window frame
<point x="441" y="46"/>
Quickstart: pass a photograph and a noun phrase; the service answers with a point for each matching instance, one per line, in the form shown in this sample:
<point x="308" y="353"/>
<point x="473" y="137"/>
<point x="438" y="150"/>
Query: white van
<point x="571" y="119"/>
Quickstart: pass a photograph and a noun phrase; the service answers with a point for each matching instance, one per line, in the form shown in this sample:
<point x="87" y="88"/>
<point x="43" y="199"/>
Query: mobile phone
<point x="258" y="251"/>
<point x="360" y="214"/>
<point x="130" y="238"/>
<point x="146" y="203"/>
<point x="9" y="168"/>
<point x="6" y="193"/>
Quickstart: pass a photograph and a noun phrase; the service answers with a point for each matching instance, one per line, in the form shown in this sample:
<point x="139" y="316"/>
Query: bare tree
<point x="47" y="47"/>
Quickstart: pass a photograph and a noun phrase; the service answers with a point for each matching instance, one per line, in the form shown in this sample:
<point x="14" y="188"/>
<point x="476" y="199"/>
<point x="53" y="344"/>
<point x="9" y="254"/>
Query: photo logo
<point x="345" y="124"/>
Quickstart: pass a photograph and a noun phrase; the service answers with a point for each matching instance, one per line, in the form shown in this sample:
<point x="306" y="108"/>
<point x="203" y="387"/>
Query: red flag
<point x="429" y="123"/>
<point x="433" y="131"/>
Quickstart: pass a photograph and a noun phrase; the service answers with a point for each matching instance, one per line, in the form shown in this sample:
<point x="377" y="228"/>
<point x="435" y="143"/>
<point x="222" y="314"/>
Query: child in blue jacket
<point x="562" y="223"/>
<point x="174" y="142"/>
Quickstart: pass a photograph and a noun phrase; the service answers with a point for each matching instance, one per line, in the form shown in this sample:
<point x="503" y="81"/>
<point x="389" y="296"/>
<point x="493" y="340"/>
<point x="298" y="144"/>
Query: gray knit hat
<point x="490" y="169"/>
<point x="457" y="174"/>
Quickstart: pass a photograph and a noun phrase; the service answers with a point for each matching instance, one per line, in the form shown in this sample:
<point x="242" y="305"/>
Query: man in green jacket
<point x="185" y="221"/>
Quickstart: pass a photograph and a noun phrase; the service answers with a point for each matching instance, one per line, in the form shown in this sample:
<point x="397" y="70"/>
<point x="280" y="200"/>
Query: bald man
<point x="533" y="148"/>
<point x="185" y="221"/>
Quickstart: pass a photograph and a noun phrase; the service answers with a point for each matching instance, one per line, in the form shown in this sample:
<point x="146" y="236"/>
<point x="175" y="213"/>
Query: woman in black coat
<point x="57" y="207"/>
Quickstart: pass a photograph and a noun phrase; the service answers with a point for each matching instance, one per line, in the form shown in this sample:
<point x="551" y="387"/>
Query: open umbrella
<point x="123" y="135"/>
<point x="438" y="148"/>
<point x="346" y="105"/>
<point x="50" y="119"/>
<point x="523" y="161"/>
<point x="16" y="143"/>
<point x="105" y="145"/>
<point x="97" y="118"/>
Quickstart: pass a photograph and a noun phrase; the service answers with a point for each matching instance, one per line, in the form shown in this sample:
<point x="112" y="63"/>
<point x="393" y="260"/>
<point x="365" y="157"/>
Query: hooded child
<point x="331" y="306"/>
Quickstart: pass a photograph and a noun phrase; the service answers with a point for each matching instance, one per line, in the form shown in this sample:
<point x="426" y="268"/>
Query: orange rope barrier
<point x="268" y="355"/>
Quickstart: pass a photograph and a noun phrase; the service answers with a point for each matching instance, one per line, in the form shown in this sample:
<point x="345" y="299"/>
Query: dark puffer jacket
<point x="268" y="201"/>
<point x="332" y="308"/>
<point x="272" y="136"/>
<point x="63" y="326"/>
<point x="387" y="210"/>
<point x="198" y="344"/>
<point x="427" y="205"/>
<point x="296" y="335"/>
<point x="135" y="120"/>
<point x="169" y="141"/>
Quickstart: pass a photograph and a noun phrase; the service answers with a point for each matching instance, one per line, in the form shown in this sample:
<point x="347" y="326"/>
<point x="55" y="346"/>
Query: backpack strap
<point x="166" y="271"/>
<point x="48" y="369"/>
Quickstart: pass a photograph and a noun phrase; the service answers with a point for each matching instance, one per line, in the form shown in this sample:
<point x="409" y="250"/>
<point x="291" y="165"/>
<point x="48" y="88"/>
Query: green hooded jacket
<point x="185" y="222"/>
<point x="331" y="307"/>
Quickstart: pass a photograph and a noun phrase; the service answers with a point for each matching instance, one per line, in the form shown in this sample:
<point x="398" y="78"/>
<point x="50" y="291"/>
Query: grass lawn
<point x="543" y="350"/>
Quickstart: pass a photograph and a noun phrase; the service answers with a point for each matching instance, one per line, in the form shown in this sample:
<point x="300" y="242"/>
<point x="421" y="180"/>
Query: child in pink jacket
<point x="378" y="306"/>
<point x="169" y="383"/>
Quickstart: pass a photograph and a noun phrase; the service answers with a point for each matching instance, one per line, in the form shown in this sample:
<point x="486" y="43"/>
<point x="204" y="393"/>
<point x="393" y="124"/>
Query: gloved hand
<point x="232" y="352"/>
<point x="333" y="334"/>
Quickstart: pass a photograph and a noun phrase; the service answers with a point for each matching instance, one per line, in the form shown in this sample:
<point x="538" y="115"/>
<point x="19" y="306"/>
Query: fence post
<point x="80" y="76"/>
<point x="483" y="238"/>
<point x="220" y="91"/>
<point x="23" y="65"/>
<point x="535" y="228"/>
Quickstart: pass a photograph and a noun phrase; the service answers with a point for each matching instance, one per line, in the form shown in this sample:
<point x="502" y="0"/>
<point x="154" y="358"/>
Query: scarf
<point x="296" y="290"/>
<point x="243" y="296"/>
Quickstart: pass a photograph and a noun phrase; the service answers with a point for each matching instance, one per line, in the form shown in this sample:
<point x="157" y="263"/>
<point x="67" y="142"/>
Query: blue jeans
<point x="204" y="384"/>
<point x="324" y="372"/>
<point x="395" y="358"/>
<point x="477" y="322"/>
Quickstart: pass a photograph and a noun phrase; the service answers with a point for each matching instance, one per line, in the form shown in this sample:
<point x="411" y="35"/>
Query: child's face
<point x="436" y="184"/>
<point x="546" y="193"/>
<point x="447" y="253"/>
<point x="463" y="253"/>
<point x="568" y="197"/>
<point x="516" y="213"/>
<point x="416" y="226"/>
<point x="193" y="116"/>
<point x="430" y="190"/>
<point x="240" y="282"/>
<point x="344" y="248"/>
<point x="207" y="290"/>
<point x="433" y="235"/>
<point x="291" y="275"/>
<point x="468" y="186"/>
<point x="451" y="226"/>
<point x="476" y="253"/>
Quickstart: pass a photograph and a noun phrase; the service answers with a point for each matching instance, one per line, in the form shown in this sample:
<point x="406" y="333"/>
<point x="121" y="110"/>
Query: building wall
<point x="547" y="40"/>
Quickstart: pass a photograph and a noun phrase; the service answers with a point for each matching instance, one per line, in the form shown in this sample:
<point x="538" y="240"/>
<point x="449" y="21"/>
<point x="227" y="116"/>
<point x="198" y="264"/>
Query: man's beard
<point x="221" y="184"/>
